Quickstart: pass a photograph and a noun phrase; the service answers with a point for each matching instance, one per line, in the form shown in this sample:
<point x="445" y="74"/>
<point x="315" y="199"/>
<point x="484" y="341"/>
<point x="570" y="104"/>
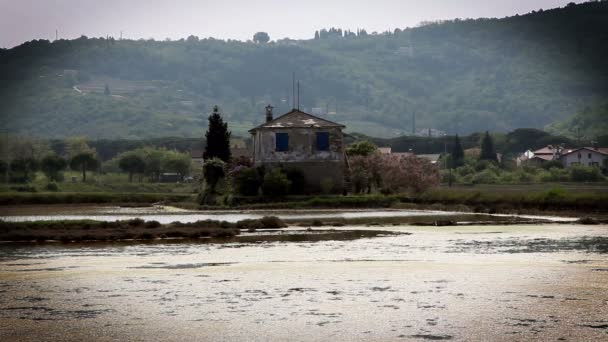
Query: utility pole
<point x="413" y="123"/>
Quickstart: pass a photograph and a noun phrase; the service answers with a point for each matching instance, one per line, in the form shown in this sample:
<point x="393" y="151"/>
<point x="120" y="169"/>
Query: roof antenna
<point x="298" y="94"/>
<point x="293" y="90"/>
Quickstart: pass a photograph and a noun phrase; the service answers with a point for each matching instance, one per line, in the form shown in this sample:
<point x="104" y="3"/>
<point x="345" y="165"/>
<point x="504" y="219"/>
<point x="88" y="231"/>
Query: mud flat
<point x="500" y="283"/>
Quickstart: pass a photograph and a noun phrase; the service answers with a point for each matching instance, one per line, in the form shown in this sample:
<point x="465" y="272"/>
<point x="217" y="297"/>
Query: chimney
<point x="269" y="113"/>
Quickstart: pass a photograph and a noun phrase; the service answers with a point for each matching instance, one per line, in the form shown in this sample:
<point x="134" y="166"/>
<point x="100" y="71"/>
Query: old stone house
<point x="298" y="140"/>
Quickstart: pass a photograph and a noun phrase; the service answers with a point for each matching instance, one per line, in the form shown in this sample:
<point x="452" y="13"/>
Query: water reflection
<point x="533" y="282"/>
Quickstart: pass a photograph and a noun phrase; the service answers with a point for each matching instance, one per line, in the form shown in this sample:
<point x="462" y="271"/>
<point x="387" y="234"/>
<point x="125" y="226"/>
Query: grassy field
<point x="110" y="182"/>
<point x="566" y="198"/>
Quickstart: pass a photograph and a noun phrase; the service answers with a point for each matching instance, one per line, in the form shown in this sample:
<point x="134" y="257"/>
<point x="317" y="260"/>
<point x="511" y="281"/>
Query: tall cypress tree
<point x="457" y="153"/>
<point x="487" y="148"/>
<point x="218" y="137"/>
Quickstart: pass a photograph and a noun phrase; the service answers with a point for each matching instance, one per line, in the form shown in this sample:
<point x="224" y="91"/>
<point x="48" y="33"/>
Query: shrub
<point x="249" y="224"/>
<point x="136" y="222"/>
<point x="272" y="222"/>
<point x="23" y="188"/>
<point x="485" y="177"/>
<point x="361" y="148"/>
<point x="152" y="224"/>
<point x="52" y="186"/>
<point x="298" y="181"/>
<point x="213" y="171"/>
<point x="275" y="184"/>
<point x="247" y="182"/>
<point x="580" y="173"/>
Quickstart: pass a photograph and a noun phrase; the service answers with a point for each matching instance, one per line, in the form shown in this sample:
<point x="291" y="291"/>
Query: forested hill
<point x="459" y="76"/>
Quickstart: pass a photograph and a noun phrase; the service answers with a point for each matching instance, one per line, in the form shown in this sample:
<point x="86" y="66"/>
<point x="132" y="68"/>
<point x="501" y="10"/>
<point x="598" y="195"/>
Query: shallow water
<point x="166" y="214"/>
<point x="531" y="282"/>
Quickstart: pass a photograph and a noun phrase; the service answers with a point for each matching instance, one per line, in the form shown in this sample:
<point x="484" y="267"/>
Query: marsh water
<point x="491" y="282"/>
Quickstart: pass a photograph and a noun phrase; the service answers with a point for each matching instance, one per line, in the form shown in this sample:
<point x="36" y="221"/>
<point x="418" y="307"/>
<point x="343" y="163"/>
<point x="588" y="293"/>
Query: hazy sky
<point x="23" y="20"/>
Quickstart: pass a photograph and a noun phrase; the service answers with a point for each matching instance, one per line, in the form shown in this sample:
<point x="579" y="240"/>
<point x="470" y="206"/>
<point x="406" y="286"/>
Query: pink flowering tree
<point x="410" y="173"/>
<point x="392" y="174"/>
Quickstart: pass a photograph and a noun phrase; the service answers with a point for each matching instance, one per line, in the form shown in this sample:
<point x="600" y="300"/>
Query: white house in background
<point x="587" y="156"/>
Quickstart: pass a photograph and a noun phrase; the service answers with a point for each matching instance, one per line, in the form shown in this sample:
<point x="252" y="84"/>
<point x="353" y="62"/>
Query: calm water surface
<point x="532" y="282"/>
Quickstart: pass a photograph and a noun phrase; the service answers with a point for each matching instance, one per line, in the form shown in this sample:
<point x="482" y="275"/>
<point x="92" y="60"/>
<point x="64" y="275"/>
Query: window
<point x="594" y="164"/>
<point x="322" y="141"/>
<point x="589" y="155"/>
<point x="282" y="142"/>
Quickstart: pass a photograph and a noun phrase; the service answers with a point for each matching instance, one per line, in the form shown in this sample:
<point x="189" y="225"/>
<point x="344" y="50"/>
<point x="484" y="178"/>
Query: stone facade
<point x="310" y="144"/>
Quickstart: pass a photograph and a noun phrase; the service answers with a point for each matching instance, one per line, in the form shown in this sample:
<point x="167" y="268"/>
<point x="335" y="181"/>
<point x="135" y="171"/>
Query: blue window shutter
<point x="322" y="141"/>
<point x="282" y="142"/>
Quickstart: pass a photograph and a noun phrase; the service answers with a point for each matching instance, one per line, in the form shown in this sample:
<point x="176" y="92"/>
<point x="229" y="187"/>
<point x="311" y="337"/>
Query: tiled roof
<point x="297" y="119"/>
<point x="600" y="150"/>
<point x="547" y="150"/>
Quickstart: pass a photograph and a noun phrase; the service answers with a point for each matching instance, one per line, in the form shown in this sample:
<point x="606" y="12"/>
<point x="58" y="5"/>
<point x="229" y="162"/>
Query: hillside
<point x="459" y="76"/>
<point x="591" y="123"/>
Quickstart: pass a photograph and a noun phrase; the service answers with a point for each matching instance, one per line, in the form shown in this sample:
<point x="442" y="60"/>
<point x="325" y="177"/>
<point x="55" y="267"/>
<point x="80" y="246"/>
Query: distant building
<point x="171" y="177"/>
<point x="430" y="132"/>
<point x="433" y="158"/>
<point x="587" y="156"/>
<point x="385" y="150"/>
<point x="302" y="141"/>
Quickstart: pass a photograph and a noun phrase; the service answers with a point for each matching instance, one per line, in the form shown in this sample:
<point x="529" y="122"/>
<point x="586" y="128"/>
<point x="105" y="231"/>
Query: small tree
<point x="132" y="164"/>
<point x="178" y="163"/>
<point x="261" y="37"/>
<point x="213" y="172"/>
<point x="407" y="173"/>
<point x="218" y="138"/>
<point x="457" y="157"/>
<point x="487" y="148"/>
<point x="84" y="162"/>
<point x="22" y="168"/>
<point x="361" y="148"/>
<point x="52" y="165"/>
<point x="275" y="184"/>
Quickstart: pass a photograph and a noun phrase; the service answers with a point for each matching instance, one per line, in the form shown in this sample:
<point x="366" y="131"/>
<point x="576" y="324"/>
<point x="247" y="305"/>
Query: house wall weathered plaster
<point x="571" y="158"/>
<point x="302" y="146"/>
<point x="316" y="166"/>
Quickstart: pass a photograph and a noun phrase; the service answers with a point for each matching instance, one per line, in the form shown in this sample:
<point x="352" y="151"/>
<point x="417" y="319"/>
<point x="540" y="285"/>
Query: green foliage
<point x="218" y="138"/>
<point x="297" y="181"/>
<point x="132" y="164"/>
<point x="22" y="169"/>
<point x="487" y="148"/>
<point x="155" y="161"/>
<point x="52" y="166"/>
<point x="588" y="123"/>
<point x="361" y="148"/>
<point x="579" y="173"/>
<point x="52" y="186"/>
<point x="214" y="170"/>
<point x="261" y="37"/>
<point x="247" y="182"/>
<point x="457" y="155"/>
<point x="275" y="184"/>
<point x="84" y="162"/>
<point x="463" y="75"/>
